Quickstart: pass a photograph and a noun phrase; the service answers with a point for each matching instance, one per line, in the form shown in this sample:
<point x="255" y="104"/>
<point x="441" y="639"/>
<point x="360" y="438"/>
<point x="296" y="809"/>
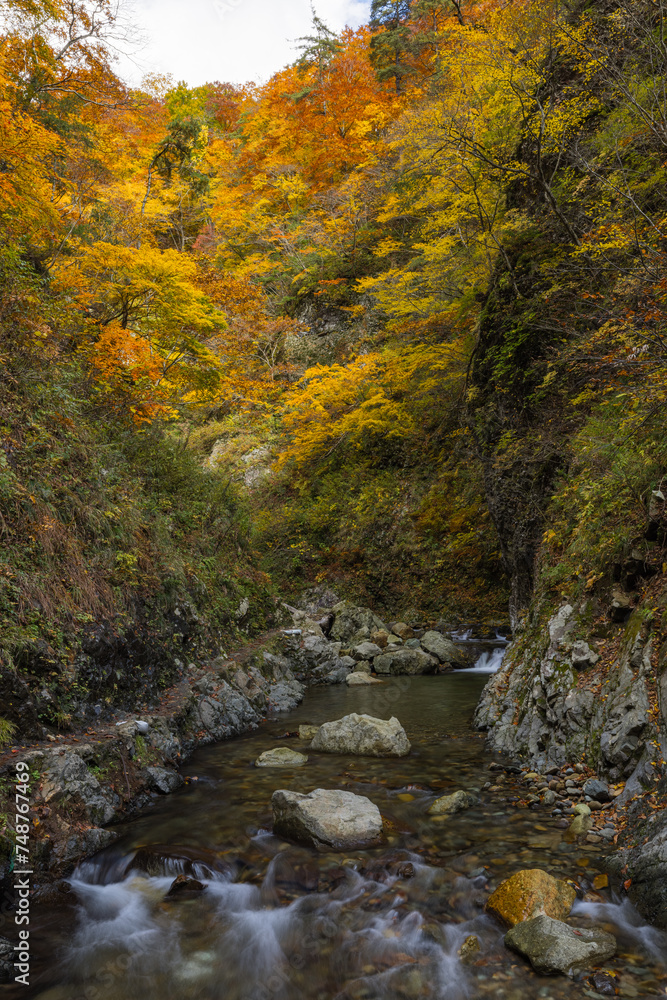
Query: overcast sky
<point x="228" y="40"/>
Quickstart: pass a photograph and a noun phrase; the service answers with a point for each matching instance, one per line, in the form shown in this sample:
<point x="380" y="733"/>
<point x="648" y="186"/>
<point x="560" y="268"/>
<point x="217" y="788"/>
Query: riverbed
<point x="280" y="922"/>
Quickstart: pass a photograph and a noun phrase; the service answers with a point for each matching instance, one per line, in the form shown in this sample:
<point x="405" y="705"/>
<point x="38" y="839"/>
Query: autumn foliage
<point x="474" y="190"/>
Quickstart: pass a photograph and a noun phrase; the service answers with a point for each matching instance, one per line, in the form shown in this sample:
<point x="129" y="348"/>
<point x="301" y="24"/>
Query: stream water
<point x="279" y="922"/>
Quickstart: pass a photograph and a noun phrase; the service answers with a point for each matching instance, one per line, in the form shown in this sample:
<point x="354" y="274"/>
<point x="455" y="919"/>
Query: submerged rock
<point x="328" y="817"/>
<point x="360" y="677"/>
<point x="281" y="757"/>
<point x="470" y="949"/>
<point x="456" y="802"/>
<point x="552" y="946"/>
<point x="528" y="894"/>
<point x="166" y="859"/>
<point x="306" y="732"/>
<point x="185" y="884"/>
<point x="363" y="735"/>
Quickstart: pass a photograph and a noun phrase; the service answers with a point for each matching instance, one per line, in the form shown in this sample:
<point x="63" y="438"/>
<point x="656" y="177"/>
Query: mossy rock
<point x="528" y="894"/>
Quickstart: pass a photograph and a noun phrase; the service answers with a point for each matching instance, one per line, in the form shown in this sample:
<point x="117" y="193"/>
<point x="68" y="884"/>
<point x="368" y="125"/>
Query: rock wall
<point x="587" y="683"/>
<point x="556" y="700"/>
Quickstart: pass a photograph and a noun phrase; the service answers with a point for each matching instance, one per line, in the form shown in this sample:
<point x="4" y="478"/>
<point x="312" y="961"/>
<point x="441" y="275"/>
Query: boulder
<point x="163" y="779"/>
<point x="224" y="712"/>
<point x="380" y="638"/>
<point x="528" y="894"/>
<point x="454" y="803"/>
<point x="596" y="789"/>
<point x="329" y="818"/>
<point x="552" y="946"/>
<point x="582" y="821"/>
<point x="362" y="667"/>
<point x="405" y="661"/>
<point x="306" y="732"/>
<point x="359" y="678"/>
<point x="285" y="695"/>
<point x="281" y="757"/>
<point x="365" y="651"/>
<point x="313" y="658"/>
<point x="443" y="649"/>
<point x="363" y="735"/>
<point x="402" y="630"/>
<point x="352" y="620"/>
<point x="68" y="781"/>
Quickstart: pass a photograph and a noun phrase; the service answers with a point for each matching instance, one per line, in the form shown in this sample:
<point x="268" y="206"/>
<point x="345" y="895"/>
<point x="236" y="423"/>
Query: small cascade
<point x="489" y="662"/>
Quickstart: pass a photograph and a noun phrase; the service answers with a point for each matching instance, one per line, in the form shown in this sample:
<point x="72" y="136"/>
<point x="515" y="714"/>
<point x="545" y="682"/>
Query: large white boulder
<point x="363" y="735"/>
<point x="329" y="818"/>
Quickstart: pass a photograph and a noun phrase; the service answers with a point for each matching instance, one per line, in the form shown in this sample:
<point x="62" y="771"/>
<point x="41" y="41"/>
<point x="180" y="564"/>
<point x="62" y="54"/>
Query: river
<point x="279" y="922"/>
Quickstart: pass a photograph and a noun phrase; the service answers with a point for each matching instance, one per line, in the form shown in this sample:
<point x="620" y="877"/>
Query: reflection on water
<point x="277" y="922"/>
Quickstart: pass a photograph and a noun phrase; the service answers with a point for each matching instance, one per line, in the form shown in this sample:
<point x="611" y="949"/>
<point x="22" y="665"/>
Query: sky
<point x="234" y="41"/>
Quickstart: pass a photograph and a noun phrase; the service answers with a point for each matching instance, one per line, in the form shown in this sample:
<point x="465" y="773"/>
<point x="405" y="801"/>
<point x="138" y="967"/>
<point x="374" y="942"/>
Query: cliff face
<point x="588" y="682"/>
<point x="576" y="686"/>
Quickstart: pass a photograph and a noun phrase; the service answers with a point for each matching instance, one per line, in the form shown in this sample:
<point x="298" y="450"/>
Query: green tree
<point x="391" y="43"/>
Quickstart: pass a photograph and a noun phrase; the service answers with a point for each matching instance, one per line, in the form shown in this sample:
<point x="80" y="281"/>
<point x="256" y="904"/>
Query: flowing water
<point x="279" y="922"/>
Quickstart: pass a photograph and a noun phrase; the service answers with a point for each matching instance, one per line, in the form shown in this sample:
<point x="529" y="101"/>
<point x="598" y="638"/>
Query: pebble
<point x="603" y="983"/>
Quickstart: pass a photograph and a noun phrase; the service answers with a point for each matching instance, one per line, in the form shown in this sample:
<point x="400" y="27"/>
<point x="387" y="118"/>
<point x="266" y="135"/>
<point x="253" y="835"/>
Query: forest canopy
<point x="470" y="194"/>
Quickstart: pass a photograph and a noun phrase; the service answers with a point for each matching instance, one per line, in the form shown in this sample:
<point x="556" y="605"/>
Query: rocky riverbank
<point x="84" y="782"/>
<point x="586" y="686"/>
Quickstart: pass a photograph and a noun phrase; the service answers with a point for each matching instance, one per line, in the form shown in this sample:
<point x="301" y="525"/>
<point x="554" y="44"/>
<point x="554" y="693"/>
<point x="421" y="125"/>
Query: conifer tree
<point x="391" y="42"/>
